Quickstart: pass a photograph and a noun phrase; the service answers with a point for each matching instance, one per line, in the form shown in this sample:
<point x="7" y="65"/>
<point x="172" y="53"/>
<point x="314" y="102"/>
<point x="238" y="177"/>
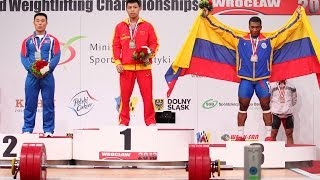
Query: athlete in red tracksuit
<point x="129" y="35"/>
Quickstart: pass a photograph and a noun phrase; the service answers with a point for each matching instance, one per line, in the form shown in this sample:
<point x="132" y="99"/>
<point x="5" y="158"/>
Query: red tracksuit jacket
<point x="145" y="36"/>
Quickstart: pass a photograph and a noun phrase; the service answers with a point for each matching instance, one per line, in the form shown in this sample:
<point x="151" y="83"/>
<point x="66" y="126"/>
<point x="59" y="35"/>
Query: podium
<point x="147" y="145"/>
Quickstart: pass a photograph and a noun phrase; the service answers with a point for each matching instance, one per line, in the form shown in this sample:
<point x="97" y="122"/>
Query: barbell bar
<point x="33" y="163"/>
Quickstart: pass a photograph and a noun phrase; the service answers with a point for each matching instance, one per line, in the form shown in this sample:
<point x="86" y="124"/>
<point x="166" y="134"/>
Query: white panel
<point x="57" y="148"/>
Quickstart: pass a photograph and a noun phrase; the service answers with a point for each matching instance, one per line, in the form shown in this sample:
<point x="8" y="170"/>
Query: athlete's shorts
<point x="246" y="88"/>
<point x="287" y="122"/>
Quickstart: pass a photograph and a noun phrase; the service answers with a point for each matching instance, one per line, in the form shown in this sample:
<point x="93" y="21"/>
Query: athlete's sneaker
<point x="269" y="138"/>
<point x="48" y="134"/>
<point x="26" y="133"/>
<point x="239" y="138"/>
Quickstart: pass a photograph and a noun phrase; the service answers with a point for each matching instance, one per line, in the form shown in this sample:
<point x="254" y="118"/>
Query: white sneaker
<point x="152" y="124"/>
<point x="26" y="133"/>
<point x="48" y="134"/>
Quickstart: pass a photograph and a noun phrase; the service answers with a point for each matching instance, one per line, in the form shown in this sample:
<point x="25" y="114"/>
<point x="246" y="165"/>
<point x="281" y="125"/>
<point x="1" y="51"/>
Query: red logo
<point x="266" y="7"/>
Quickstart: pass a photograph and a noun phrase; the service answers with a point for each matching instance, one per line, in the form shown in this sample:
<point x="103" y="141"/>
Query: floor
<point x="156" y="174"/>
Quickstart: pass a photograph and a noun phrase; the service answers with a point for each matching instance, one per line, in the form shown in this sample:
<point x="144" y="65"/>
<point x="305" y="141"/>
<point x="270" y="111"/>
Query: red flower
<point x="37" y="66"/>
<point x="142" y="54"/>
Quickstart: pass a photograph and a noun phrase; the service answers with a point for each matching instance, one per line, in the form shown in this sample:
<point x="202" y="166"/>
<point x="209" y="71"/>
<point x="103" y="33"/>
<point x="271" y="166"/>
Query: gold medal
<point x="132" y="44"/>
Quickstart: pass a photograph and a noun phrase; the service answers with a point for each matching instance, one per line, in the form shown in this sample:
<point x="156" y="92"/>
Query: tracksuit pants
<point x="127" y="82"/>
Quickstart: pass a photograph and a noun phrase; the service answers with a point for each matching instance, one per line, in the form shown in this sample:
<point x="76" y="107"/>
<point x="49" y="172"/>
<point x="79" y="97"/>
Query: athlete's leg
<point x="245" y="93"/>
<point x="275" y="126"/>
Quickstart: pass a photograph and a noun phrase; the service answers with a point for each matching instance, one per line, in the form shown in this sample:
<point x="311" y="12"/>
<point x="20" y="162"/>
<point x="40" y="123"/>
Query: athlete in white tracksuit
<point x="283" y="98"/>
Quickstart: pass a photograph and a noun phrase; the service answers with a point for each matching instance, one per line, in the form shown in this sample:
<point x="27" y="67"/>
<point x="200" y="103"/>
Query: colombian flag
<point x="211" y="50"/>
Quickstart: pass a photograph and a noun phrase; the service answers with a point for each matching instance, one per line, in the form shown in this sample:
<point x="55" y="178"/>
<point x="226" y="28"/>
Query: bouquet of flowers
<point x="206" y="4"/>
<point x="39" y="68"/>
<point x="142" y="54"/>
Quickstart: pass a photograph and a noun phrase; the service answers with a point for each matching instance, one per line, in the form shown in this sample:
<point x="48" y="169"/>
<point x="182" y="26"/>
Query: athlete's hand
<point x="119" y="68"/>
<point x="299" y="9"/>
<point x="205" y="12"/>
<point x="45" y="69"/>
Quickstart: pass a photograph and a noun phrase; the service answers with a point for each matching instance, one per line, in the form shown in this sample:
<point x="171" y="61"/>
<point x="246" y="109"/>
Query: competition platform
<point x="142" y="147"/>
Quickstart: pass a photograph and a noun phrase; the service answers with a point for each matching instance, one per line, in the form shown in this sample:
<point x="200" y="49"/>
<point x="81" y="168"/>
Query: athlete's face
<point x="133" y="10"/>
<point x="40" y="24"/>
<point x="255" y="28"/>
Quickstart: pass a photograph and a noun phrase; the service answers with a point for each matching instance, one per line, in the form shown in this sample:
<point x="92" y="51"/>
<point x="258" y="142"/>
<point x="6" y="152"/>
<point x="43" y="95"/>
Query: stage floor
<point x="155" y="174"/>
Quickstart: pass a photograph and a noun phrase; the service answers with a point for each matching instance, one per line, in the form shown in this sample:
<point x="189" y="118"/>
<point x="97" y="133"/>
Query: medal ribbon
<point x="254" y="46"/>
<point x="133" y="30"/>
<point x="35" y="42"/>
<point x="281" y="92"/>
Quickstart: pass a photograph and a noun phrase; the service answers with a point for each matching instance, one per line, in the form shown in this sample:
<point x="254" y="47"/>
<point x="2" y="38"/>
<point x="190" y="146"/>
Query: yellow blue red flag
<point x="211" y="50"/>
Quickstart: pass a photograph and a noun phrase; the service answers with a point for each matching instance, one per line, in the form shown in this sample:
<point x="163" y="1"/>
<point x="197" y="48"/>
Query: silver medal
<point x="254" y="58"/>
<point x="132" y="44"/>
<point x="37" y="55"/>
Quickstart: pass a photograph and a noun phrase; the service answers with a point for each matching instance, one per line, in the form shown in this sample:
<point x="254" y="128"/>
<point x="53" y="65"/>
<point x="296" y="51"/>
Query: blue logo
<point x="82" y="103"/>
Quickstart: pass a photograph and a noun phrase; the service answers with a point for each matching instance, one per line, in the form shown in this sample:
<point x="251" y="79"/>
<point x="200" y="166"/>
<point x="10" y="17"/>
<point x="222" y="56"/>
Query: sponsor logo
<point x="19" y="105"/>
<point x="106" y="155"/>
<point x="247" y="137"/>
<point x="159" y="104"/>
<point x="82" y="103"/>
<point x="203" y="137"/>
<point x="68" y="53"/>
<point x="208" y="104"/>
<point x="179" y="104"/>
<point x="267" y="7"/>
<point x="212" y="103"/>
<point x="225" y="137"/>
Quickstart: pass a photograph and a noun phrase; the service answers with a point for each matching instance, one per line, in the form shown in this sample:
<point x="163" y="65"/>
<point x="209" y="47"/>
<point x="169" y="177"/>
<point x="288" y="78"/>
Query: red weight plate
<point x="206" y="162"/>
<point x="31" y="161"/>
<point x="199" y="161"/>
<point x="23" y="162"/>
<point x="192" y="162"/>
<point x="38" y="160"/>
<point x="203" y="162"/>
<point x="30" y="158"/>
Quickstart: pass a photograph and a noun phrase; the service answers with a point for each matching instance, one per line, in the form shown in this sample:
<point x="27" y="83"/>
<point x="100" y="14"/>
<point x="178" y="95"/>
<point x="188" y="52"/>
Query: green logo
<point x="209" y="104"/>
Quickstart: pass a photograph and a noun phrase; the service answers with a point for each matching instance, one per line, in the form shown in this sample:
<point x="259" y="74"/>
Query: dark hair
<point x="40" y="14"/>
<point x="255" y="19"/>
<point x="134" y="1"/>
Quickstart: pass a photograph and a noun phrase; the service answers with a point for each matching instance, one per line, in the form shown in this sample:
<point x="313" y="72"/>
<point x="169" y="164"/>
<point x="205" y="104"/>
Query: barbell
<point x="33" y="163"/>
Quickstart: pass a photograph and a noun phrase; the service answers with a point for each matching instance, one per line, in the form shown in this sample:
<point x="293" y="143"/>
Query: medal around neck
<point x="37" y="55"/>
<point x="132" y="44"/>
<point x="254" y="58"/>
